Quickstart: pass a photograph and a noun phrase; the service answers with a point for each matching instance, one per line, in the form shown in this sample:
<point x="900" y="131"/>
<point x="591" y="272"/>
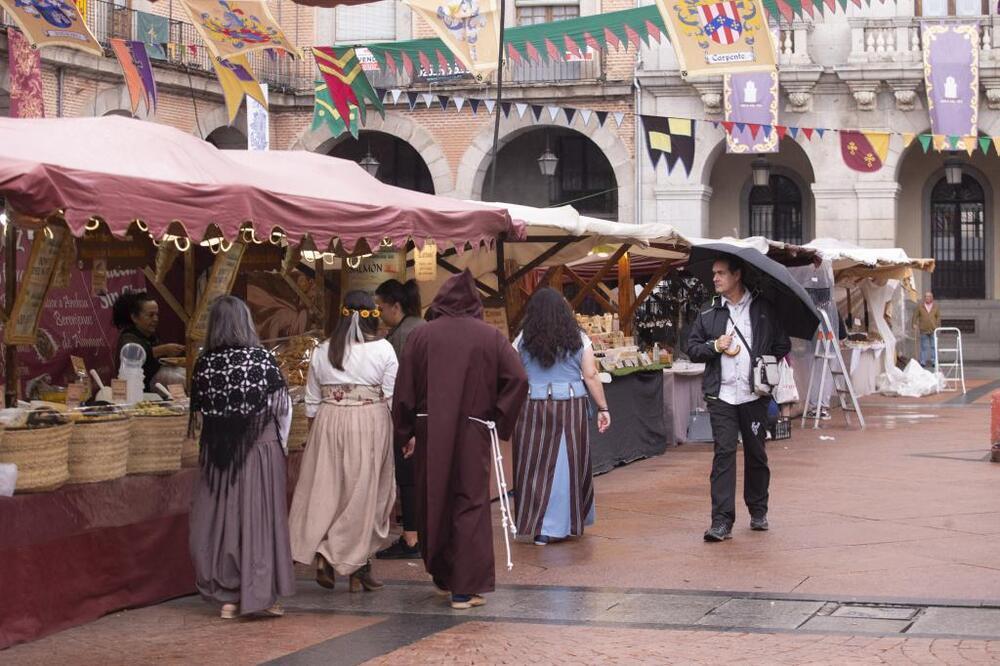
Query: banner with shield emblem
<point x="712" y="38"/>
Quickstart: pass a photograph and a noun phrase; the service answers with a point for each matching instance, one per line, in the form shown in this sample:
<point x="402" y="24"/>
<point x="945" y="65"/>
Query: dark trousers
<point x="407" y="491"/>
<point x="728" y="423"/>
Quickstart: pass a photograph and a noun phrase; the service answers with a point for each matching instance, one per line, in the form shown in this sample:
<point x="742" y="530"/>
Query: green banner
<point x="154" y="31"/>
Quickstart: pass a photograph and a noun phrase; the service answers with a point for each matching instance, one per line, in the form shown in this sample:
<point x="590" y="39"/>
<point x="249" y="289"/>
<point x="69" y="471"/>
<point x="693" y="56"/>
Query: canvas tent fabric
<point x="119" y="170"/>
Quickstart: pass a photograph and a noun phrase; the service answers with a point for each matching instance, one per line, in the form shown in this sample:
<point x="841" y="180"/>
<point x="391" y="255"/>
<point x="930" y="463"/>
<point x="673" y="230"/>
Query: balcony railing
<point x="900" y="40"/>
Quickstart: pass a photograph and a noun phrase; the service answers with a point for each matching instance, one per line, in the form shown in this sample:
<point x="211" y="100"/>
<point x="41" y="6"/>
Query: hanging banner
<point x="233" y="27"/>
<point x="367" y="273"/>
<point x="672" y="138"/>
<point x="324" y="113"/>
<point x="469" y="28"/>
<point x="220" y="283"/>
<point x="22" y="326"/>
<point x="258" y="125"/>
<point x="237" y="81"/>
<point x="27" y="97"/>
<point x="751" y="104"/>
<point x="864" y="151"/>
<point x="154" y="32"/>
<point x="951" y="76"/>
<point x="719" y="37"/>
<point x="346" y="82"/>
<point x="138" y="71"/>
<point x="52" y="23"/>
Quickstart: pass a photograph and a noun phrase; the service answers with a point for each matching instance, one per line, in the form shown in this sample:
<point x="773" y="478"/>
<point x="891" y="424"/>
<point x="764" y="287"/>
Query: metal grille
<point x="958" y="240"/>
<point x="776" y="211"/>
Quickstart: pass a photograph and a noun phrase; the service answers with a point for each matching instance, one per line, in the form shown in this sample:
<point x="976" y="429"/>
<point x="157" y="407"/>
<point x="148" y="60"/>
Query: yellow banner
<point x="470" y="28"/>
<point x="233" y="27"/>
<point x="237" y="80"/>
<point x="719" y="37"/>
<point x="53" y="23"/>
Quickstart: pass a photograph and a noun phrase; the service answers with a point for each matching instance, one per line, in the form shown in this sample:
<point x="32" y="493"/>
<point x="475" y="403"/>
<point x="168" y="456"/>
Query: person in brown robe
<point x="475" y="374"/>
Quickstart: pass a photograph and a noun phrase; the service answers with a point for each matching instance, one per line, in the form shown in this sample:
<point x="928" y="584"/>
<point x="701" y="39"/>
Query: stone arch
<point x="321" y="140"/>
<point x="476" y="160"/>
<point x="227" y="137"/>
<point x="112" y="100"/>
<point x="216" y="117"/>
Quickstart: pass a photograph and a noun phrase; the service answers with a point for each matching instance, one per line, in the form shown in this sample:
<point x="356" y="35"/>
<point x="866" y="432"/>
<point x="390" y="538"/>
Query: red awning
<point x="120" y="170"/>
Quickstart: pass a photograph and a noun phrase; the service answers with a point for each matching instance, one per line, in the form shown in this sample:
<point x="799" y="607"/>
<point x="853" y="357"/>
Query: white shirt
<point x="368" y="364"/>
<point x="735" y="388"/>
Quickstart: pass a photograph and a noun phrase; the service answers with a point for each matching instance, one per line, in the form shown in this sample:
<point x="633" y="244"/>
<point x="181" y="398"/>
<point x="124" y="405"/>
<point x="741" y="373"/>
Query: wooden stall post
<point x="10" y="294"/>
<point x="626" y="293"/>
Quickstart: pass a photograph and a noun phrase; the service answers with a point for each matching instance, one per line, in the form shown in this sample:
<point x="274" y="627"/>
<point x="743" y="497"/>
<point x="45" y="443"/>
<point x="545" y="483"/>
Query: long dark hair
<point x="549" y="332"/>
<point x="407" y="295"/>
<point x="355" y="301"/>
<point x="126" y="306"/>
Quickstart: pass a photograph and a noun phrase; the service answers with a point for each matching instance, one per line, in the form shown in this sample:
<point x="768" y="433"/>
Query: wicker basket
<point x="41" y="456"/>
<point x="98" y="451"/>
<point x="156" y="444"/>
<point x="299" y="432"/>
<point x="189" y="452"/>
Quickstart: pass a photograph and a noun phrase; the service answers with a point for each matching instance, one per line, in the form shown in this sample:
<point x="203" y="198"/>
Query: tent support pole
<point x="612" y="261"/>
<point x="10" y="293"/>
<point x="496" y="109"/>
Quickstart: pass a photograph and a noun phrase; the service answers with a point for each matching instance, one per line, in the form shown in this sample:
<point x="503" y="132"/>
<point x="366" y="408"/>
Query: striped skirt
<point x="550" y="433"/>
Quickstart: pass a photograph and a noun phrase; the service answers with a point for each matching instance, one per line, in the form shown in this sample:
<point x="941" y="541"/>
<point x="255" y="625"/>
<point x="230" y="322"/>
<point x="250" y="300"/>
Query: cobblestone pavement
<point x="884" y="548"/>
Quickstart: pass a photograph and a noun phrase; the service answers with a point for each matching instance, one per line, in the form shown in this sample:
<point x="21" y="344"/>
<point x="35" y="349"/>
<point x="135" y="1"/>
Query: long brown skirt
<point x="346" y="489"/>
<point x="239" y="534"/>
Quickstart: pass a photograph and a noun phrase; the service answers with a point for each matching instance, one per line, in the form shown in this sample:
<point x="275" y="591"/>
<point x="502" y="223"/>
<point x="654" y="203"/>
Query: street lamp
<point x="953" y="171"/>
<point x="548" y="161"/>
<point x="370" y="164"/>
<point x="761" y="172"/>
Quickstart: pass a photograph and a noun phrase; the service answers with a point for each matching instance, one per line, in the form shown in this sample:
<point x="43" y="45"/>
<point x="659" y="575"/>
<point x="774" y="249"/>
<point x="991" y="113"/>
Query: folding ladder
<point x="953" y="371"/>
<point x="828" y="351"/>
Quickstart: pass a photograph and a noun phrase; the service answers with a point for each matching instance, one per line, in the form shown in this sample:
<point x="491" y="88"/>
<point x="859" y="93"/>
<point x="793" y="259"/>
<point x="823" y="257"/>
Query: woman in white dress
<point x="346" y="489"/>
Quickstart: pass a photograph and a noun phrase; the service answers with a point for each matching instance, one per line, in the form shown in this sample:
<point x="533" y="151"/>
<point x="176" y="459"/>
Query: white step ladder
<point x="954" y="370"/>
<point x="828" y="351"/>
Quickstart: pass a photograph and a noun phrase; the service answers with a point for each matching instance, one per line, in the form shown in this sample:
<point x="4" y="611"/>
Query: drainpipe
<point x="60" y="81"/>
<point x="637" y="148"/>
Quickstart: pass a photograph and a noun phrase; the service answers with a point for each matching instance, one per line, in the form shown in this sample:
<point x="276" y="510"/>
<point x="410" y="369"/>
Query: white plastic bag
<point x="8" y="479"/>
<point x="786" y="392"/>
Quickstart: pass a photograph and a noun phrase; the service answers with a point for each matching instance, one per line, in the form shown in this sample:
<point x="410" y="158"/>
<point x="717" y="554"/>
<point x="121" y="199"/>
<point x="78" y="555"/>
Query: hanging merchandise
<point x="670" y="137"/>
<point x="236" y="81"/>
<point x="53" y="23"/>
<point x="346" y="82"/>
<point x="324" y="113"/>
<point x="234" y="27"/>
<point x="27" y="96"/>
<point x="751" y="98"/>
<point x="138" y="71"/>
<point x="719" y="37"/>
<point x="469" y="28"/>
<point x="864" y="151"/>
<point x="951" y="76"/>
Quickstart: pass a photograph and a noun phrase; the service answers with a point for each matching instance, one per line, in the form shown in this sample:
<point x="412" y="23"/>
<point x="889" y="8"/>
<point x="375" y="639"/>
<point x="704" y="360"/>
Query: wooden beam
<point x="167" y="296"/>
<point x="485" y="288"/>
<point x="657" y="277"/>
<point x="190" y="282"/>
<point x="598" y="293"/>
<point x="302" y="296"/>
<point x="612" y="261"/>
<point x="626" y="291"/>
<point x="539" y="260"/>
<point x="550" y="239"/>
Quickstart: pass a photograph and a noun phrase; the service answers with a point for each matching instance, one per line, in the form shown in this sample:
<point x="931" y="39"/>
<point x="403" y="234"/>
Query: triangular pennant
<point x="585" y="116"/>
<point x="767" y="129"/>
<point x="602" y="117"/>
<point x="940" y="140"/>
<point x="521" y="108"/>
<point x="782" y="130"/>
<point x="619" y="118"/>
<point x="715" y="124"/>
<point x="536" y="110"/>
<point x="794" y="131"/>
<point x="459" y="102"/>
<point x="532" y="52"/>
<point x="820" y="131"/>
<point x="443" y="101"/>
<point x="505" y="109"/>
<point x="754" y="129"/>
<point x="490" y="105"/>
<point x="996" y="144"/>
<point x="984" y="144"/>
<point x="953" y="142"/>
<point x="555" y="55"/>
<point x="193" y="49"/>
<point x="396" y="95"/>
<point x="970" y="144"/>
<point x="908" y="138"/>
<point x="741" y="127"/>
<point x="411" y="98"/>
<point x="474" y="105"/>
<point x="428" y="99"/>
<point x="380" y="94"/>
<point x="570" y="114"/>
<point x="553" y="112"/>
<point x="925" y="141"/>
<point x="572" y="47"/>
<point x="728" y="126"/>
<point x="390" y="63"/>
<point x="808" y="131"/>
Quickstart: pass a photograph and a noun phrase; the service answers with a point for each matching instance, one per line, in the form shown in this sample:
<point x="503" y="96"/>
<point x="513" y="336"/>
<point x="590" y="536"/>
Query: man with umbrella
<point x="737" y="329"/>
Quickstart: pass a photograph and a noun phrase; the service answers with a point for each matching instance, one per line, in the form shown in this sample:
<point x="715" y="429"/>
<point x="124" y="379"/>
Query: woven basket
<point x="299" y="432"/>
<point x="41" y="456"/>
<point x="98" y="451"/>
<point x="156" y="444"/>
<point x="189" y="452"/>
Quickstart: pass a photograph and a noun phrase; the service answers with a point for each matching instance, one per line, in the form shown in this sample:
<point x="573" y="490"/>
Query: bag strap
<point x="739" y="333"/>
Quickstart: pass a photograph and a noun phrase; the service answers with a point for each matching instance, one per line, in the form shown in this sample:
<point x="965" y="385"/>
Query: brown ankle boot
<point x="363" y="579"/>
<point x="325" y="575"/>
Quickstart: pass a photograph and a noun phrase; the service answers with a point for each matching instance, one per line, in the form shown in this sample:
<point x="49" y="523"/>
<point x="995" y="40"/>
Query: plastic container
<point x="133" y="357"/>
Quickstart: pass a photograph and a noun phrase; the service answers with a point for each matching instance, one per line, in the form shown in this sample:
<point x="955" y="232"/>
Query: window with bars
<point x="776" y="210"/>
<point x="941" y="8"/>
<point x="958" y="239"/>
<point x="534" y="14"/>
<point x="371" y="22"/>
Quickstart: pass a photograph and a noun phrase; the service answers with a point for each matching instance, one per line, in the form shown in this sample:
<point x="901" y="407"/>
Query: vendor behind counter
<point x="137" y="316"/>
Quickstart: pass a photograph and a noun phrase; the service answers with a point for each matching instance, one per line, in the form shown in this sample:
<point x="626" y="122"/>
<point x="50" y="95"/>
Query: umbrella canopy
<point x="792" y="305"/>
<point x="120" y="170"/>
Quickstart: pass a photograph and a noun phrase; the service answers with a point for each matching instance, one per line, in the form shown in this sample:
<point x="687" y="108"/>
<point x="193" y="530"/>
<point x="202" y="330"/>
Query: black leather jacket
<point x="769" y="339"/>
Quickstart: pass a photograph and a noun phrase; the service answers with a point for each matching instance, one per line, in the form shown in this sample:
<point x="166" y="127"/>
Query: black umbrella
<point x="766" y="278"/>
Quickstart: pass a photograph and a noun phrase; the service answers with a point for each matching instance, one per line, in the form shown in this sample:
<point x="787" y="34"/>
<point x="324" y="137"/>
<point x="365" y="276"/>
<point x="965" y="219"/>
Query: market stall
<point x="101" y="493"/>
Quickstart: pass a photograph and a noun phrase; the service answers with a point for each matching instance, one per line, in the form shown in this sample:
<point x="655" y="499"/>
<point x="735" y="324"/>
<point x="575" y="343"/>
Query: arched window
<point x="776" y="210"/>
<point x="958" y="239"/>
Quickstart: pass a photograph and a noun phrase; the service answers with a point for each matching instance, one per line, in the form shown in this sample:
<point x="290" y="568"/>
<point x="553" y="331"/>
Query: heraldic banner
<point x="951" y="76"/>
<point x="237" y="81"/>
<point x="470" y="28"/>
<point x="233" y="27"/>
<point x="52" y="23"/>
<point x="719" y="37"/>
<point x="751" y="104"/>
<point x="27" y="97"/>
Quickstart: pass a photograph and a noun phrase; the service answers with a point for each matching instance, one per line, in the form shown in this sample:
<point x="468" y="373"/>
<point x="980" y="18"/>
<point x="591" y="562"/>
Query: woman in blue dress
<point x="552" y="471"/>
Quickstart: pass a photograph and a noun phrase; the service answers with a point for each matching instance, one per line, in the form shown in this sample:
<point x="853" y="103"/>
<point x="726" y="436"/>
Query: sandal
<point x="229" y="611"/>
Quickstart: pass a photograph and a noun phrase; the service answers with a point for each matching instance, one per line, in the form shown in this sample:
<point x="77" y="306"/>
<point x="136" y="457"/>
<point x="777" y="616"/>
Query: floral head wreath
<point x="363" y="313"/>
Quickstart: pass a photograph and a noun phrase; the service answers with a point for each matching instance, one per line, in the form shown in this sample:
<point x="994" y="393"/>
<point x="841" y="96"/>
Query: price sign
<point x="119" y="391"/>
<point x="425" y="263"/>
<point x="497" y="318"/>
<point x="22" y="328"/>
<point x="220" y="282"/>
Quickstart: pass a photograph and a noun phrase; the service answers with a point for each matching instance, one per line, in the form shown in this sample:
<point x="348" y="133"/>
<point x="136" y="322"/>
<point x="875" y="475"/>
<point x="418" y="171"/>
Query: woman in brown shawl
<point x="239" y="527"/>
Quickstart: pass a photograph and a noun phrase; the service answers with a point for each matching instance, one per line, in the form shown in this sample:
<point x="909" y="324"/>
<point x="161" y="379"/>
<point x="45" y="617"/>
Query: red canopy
<point x="120" y="170"/>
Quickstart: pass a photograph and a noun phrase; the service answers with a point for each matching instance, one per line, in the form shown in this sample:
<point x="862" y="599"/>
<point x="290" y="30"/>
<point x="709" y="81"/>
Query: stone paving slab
<point x="877" y="612"/>
<point x="761" y="614"/>
<point x="854" y="625"/>
<point x="958" y="622"/>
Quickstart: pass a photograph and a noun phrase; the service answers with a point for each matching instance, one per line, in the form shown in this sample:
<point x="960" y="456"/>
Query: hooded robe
<point x="452" y="368"/>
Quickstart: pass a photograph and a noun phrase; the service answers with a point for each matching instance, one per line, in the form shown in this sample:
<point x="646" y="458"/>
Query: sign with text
<point x="220" y="283"/>
<point x="371" y="271"/>
<point x="22" y="327"/>
<point x="425" y="263"/>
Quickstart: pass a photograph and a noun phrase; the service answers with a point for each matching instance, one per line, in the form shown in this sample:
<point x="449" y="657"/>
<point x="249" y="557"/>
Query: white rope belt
<point x="506" y="515"/>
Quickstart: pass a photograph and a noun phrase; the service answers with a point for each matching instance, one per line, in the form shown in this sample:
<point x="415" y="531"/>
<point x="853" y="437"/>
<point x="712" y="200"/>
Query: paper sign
<point x="369" y="272"/>
<point x="130" y="252"/>
<point x="99" y="278"/>
<point x="176" y="391"/>
<point x="119" y="391"/>
<point x="74" y="394"/>
<point x="497" y="317"/>
<point x="220" y="282"/>
<point x="79" y="365"/>
<point x="22" y="328"/>
<point x="425" y="263"/>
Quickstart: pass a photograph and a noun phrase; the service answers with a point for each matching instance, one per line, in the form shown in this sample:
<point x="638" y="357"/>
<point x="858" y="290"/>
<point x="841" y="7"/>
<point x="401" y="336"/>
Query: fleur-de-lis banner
<point x="864" y="151"/>
<point x="469" y="28"/>
<point x="719" y="37"/>
<point x="234" y="27"/>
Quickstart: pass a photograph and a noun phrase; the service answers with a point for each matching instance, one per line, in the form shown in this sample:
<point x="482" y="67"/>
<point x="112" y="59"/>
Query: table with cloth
<point x="638" y="428"/>
<point x="865" y="366"/>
